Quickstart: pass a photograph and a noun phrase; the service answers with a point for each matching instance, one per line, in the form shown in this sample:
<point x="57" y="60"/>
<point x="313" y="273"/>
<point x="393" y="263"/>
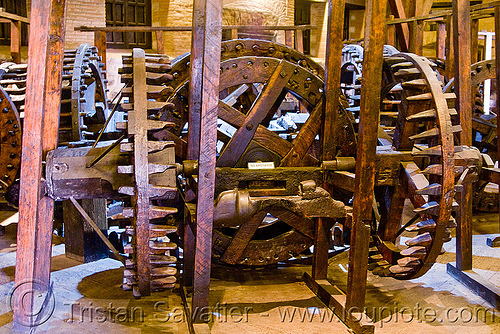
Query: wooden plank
<point x="189" y="28"/>
<point x="13" y="17"/>
<point x="81" y="241"/>
<point x="474" y="40"/>
<point x="289" y="38"/>
<point x="417" y="37"/>
<point x="463" y="104"/>
<point x="15" y="41"/>
<point x="450" y="53"/>
<point x="299" y="40"/>
<point x="100" y="43"/>
<point x="205" y="74"/>
<point x="242" y="237"/>
<point x="160" y="46"/>
<point x="391" y="33"/>
<point x="333" y="68"/>
<point x="35" y="216"/>
<point x="476" y="283"/>
<point x="497" y="69"/>
<point x="402" y="29"/>
<point x="234" y="33"/>
<point x="334" y="298"/>
<point x="441" y="40"/>
<point x="366" y="153"/>
<point x="141" y="199"/>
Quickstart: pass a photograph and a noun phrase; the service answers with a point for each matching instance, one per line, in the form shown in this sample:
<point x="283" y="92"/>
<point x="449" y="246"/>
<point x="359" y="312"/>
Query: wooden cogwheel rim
<point x="425" y="128"/>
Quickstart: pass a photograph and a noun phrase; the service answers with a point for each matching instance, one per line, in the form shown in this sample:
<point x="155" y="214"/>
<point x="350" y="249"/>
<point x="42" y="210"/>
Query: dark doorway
<point x="132" y="13"/>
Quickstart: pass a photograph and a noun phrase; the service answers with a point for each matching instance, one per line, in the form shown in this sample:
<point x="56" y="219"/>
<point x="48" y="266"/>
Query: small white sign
<point x="261" y="165"/>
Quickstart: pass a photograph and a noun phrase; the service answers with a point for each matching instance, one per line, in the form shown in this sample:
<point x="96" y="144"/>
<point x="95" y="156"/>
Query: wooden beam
<point x="366" y="153"/>
<point x="160" y="46"/>
<point x="450" y="53"/>
<point x="474" y="40"/>
<point x="189" y="28"/>
<point x="13" y="17"/>
<point x="497" y="67"/>
<point x="402" y="29"/>
<point x="463" y="104"/>
<point x="333" y="66"/>
<point x="100" y="43"/>
<point x="203" y="103"/>
<point x="39" y="135"/>
<point x="441" y="40"/>
<point x="15" y="41"/>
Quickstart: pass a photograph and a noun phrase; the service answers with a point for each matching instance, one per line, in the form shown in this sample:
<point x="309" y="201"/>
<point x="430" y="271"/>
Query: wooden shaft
<point x="497" y="64"/>
<point x="289" y="38"/>
<point x="35" y="215"/>
<point x="366" y="153"/>
<point x="333" y="65"/>
<point x="321" y="246"/>
<point x="205" y="74"/>
<point x="463" y="104"/>
<point x="450" y="63"/>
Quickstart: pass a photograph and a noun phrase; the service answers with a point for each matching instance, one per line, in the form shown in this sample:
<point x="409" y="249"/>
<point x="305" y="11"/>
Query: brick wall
<point x="79" y="13"/>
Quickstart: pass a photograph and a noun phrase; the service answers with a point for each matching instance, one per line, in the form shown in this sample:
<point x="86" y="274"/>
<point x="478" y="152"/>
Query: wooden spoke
<point x="260" y="109"/>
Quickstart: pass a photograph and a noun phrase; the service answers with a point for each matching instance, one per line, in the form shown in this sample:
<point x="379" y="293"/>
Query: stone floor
<point x="88" y="298"/>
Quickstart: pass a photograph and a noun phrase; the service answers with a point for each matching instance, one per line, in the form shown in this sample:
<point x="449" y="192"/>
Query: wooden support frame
<point x="349" y="307"/>
<point x="202" y="136"/>
<point x="39" y="136"/>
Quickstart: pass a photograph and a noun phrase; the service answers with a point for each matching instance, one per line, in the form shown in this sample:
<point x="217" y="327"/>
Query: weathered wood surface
<point x="441" y="41"/>
<point x="366" y="149"/>
<point x="100" y="43"/>
<point x="35" y="216"/>
<point x="402" y="29"/>
<point x="204" y="87"/>
<point x="333" y="65"/>
<point x="15" y="41"/>
<point x="497" y="68"/>
<point x="463" y="90"/>
<point x="141" y="199"/>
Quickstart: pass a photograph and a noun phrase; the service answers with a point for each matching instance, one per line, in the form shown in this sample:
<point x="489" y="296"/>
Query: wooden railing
<point x="100" y="34"/>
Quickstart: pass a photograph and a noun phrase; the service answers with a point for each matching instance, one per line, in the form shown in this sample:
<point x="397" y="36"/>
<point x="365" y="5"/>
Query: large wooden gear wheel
<point x="150" y="266"/>
<point x="424" y="128"/>
<point x="256" y="76"/>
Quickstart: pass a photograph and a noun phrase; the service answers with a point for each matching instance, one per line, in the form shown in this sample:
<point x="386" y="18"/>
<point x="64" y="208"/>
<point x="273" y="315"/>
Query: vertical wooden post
<point x="391" y="33"/>
<point x="441" y="40"/>
<point x="299" y="40"/>
<point x="289" y="38"/>
<point x="82" y="243"/>
<point x="417" y="39"/>
<point x="463" y="90"/>
<point x="450" y="52"/>
<point x="39" y="136"/>
<point x="497" y="64"/>
<point x="203" y="102"/>
<point x="234" y="33"/>
<point x="366" y="151"/>
<point x="333" y="62"/>
<point x="474" y="39"/>
<point x="100" y="43"/>
<point x="333" y="66"/>
<point x="160" y="46"/>
<point x="15" y="41"/>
